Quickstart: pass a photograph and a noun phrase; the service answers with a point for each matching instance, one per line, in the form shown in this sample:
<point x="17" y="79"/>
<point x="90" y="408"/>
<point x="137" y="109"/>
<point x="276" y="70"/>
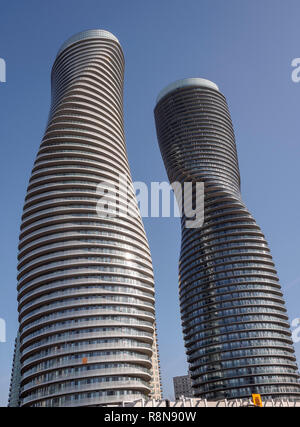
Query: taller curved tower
<point x="234" y="320"/>
<point x="85" y="283"/>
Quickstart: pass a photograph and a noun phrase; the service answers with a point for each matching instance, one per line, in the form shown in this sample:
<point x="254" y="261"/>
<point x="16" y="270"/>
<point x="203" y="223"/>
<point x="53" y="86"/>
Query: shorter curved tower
<point x="234" y="320"/>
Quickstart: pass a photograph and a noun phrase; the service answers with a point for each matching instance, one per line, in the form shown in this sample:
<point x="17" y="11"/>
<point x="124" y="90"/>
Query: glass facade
<point x="234" y="319"/>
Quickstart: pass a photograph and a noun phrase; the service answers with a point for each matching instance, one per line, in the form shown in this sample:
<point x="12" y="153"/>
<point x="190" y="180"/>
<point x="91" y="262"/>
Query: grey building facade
<point x="182" y="386"/>
<point x="15" y="382"/>
<point x="234" y="319"/>
<point x="85" y="281"/>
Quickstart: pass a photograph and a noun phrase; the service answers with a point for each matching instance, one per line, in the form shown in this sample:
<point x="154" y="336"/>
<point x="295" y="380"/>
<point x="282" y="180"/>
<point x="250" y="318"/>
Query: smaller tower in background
<point x="14" y="389"/>
<point x="182" y="386"/>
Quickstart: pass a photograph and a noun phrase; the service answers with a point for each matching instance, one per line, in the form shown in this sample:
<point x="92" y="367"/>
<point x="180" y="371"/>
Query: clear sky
<point x="245" y="46"/>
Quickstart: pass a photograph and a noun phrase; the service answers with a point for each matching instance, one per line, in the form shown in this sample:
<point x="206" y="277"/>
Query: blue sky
<point x="245" y="46"/>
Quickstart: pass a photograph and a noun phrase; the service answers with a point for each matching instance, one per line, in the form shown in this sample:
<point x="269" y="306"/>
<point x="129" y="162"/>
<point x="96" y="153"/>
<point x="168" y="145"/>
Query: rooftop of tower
<point x="88" y="34"/>
<point x="185" y="83"/>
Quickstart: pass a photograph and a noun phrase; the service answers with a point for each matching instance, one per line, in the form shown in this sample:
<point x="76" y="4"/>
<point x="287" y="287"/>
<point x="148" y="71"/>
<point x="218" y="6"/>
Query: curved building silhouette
<point x="85" y="282"/>
<point x="234" y="320"/>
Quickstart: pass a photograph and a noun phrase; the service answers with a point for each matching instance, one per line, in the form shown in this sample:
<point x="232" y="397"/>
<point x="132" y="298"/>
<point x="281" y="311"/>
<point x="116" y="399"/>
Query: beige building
<point x="156" y="386"/>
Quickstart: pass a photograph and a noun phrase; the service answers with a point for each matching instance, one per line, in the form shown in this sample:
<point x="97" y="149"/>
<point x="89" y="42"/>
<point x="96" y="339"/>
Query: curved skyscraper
<point x="235" y="323"/>
<point x="85" y="283"/>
